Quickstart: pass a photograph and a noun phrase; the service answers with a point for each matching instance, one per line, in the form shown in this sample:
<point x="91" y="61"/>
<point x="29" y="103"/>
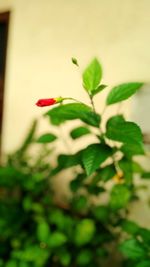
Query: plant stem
<point x="101" y="133"/>
<point x="64" y="140"/>
<point x="92" y="103"/>
<point x="103" y="111"/>
<point x="70" y="98"/>
<point x="94" y="110"/>
<point x="119" y="108"/>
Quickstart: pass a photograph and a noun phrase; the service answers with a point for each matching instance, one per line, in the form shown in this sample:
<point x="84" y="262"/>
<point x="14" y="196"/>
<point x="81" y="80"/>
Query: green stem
<point x="70" y="98"/>
<point x="64" y="140"/>
<point x="102" y="134"/>
<point x="119" y="108"/>
<point x="103" y="111"/>
<point x="94" y="110"/>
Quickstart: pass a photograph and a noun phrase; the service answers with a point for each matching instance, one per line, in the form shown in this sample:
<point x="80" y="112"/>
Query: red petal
<point x="46" y="102"/>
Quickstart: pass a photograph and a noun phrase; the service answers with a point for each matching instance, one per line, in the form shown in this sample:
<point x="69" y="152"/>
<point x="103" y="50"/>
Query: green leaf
<point x="130" y="227"/>
<point x="32" y="253"/>
<point x="145" y="234"/>
<point x="73" y="111"/>
<point x="58" y="219"/>
<point x="84" y="257"/>
<point x="47" y="138"/>
<point x="122" y="92"/>
<point x="79" y="203"/>
<point x="64" y="257"/>
<point x="94" y="155"/>
<point x="84" y="232"/>
<point x="144" y="263"/>
<point x="92" y="76"/>
<point x="133" y="149"/>
<point x="79" y="131"/>
<point x="120" y="196"/>
<point x="98" y="89"/>
<point x="11" y="263"/>
<point x="132" y="249"/>
<point x="77" y="182"/>
<point x="106" y="173"/>
<point x="137" y="168"/>
<point x="43" y="231"/>
<point x="101" y="213"/>
<point x="101" y="252"/>
<point x="94" y="189"/>
<point x="57" y="239"/>
<point x="146" y="175"/>
<point x="74" y="61"/>
<point x="66" y="161"/>
<point x="27" y="203"/>
<point x="9" y="176"/>
<point x="123" y="131"/>
<point x="127" y="168"/>
<point x="23" y="264"/>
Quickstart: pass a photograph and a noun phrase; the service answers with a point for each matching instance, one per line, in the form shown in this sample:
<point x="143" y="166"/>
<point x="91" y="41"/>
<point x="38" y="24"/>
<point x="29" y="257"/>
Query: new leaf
<point x="92" y="76"/>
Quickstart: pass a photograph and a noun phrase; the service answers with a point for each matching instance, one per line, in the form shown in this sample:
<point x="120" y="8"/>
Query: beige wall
<point x="45" y="34"/>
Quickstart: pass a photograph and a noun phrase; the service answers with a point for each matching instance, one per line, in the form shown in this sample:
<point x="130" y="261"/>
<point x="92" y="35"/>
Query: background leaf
<point x="77" y="182"/>
<point x="84" y="232"/>
<point x="145" y="235"/>
<point x="106" y="173"/>
<point x="130" y="227"/>
<point x="79" y="203"/>
<point x="46" y="138"/>
<point x="84" y="257"/>
<point x="12" y="263"/>
<point x="144" y="263"/>
<point x="66" y="161"/>
<point x="101" y="213"/>
<point x="146" y="175"/>
<point x="127" y="168"/>
<point x="43" y="231"/>
<point x="64" y="257"/>
<point x="79" y="131"/>
<point x="132" y="249"/>
<point x="120" y="196"/>
<point x="57" y="239"/>
<point x="122" y="92"/>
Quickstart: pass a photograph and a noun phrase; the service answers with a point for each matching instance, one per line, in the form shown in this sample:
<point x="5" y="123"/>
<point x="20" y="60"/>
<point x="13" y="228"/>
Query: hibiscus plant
<point x="105" y="170"/>
<point x="92" y="226"/>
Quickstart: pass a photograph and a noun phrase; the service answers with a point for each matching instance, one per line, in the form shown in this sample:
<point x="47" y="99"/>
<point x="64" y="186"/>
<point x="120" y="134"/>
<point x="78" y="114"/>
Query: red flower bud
<point x="48" y="102"/>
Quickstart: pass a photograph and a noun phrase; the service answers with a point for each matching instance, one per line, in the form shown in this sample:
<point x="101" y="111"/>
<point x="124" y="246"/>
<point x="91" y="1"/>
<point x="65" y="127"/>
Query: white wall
<point x="45" y="34"/>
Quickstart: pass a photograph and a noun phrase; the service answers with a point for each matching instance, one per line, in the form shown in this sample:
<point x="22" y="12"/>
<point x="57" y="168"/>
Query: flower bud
<point x="48" y="101"/>
<point x="118" y="177"/>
